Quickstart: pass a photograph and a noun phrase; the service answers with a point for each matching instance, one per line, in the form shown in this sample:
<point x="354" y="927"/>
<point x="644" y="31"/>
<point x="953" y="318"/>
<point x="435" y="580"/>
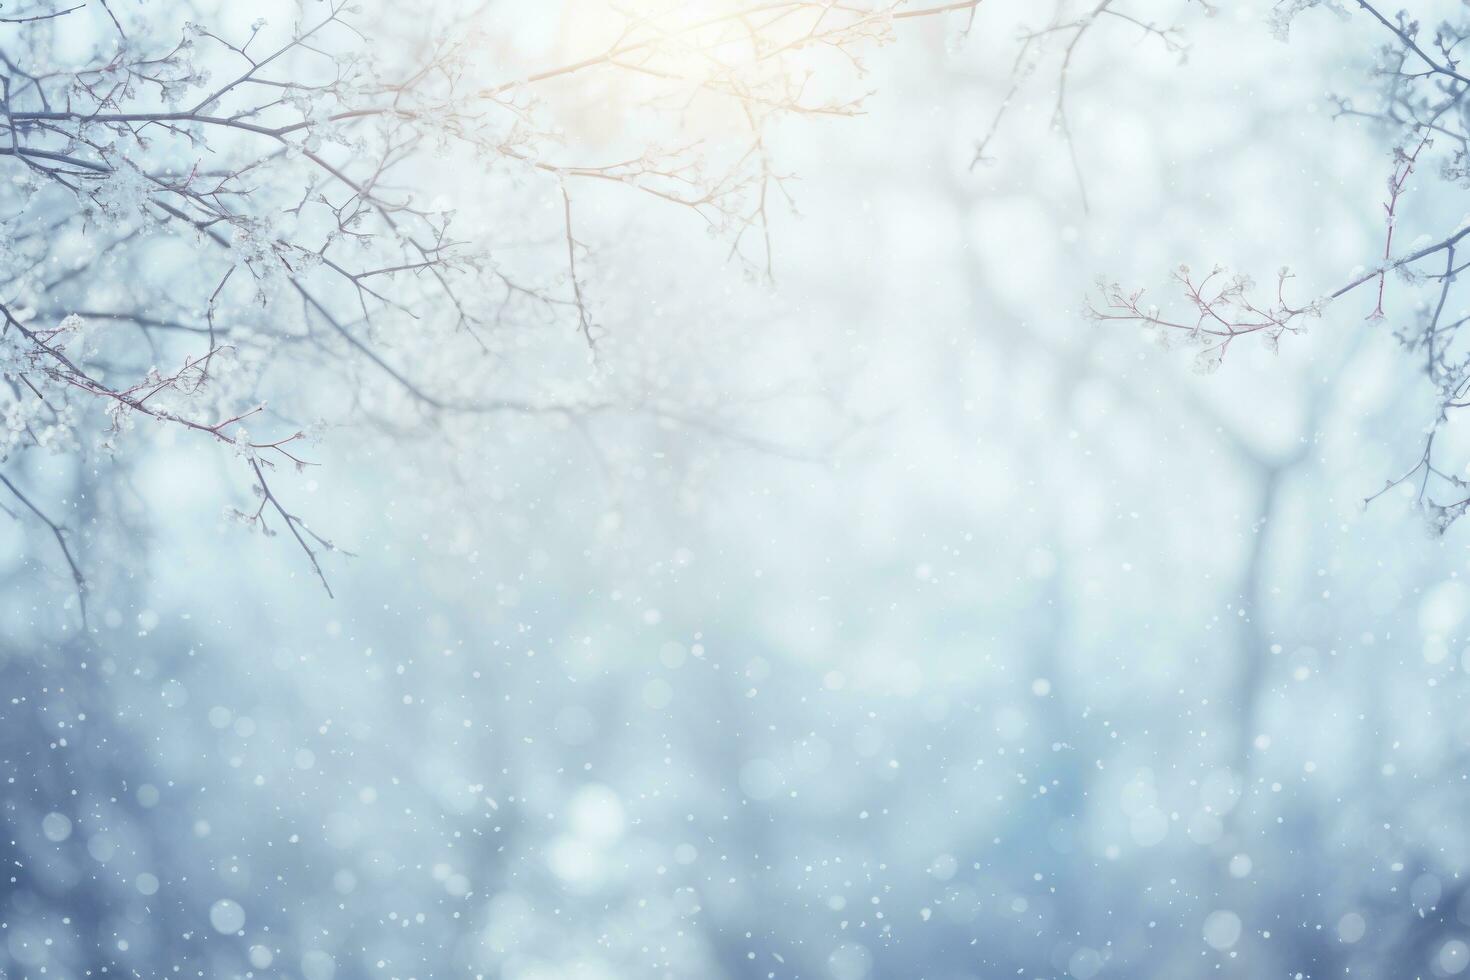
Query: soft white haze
<point x="814" y="590"/>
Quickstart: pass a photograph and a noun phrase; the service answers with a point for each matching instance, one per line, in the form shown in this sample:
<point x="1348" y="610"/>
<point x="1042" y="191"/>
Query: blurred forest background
<point x="948" y="634"/>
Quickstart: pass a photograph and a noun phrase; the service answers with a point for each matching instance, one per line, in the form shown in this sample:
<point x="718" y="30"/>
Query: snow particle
<point x="227" y="916"/>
